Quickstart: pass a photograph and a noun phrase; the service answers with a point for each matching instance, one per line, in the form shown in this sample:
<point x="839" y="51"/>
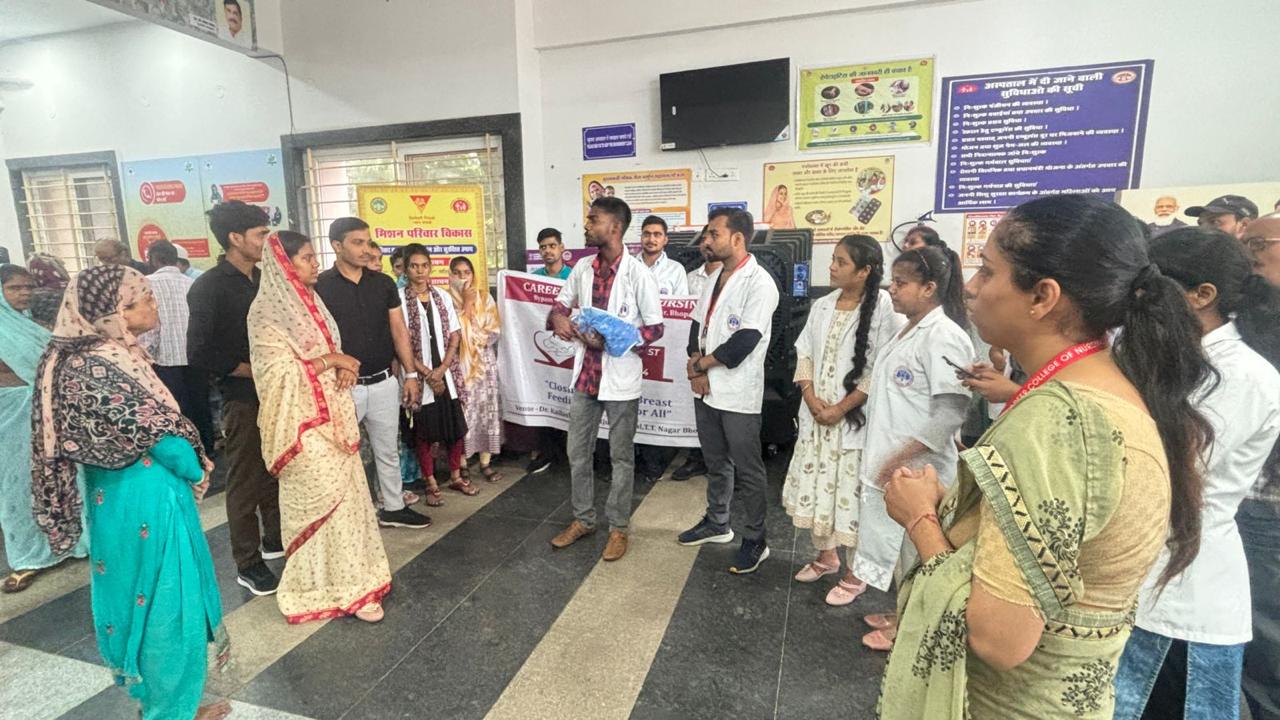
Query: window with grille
<point x="70" y="209"/>
<point x="334" y="172"/>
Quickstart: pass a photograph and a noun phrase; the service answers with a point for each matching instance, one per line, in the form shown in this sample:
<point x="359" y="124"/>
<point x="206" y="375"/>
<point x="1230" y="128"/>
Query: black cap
<point x="1234" y="204"/>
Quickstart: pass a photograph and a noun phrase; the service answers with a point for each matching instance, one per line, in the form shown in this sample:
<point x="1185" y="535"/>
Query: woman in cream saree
<point x="310" y="440"/>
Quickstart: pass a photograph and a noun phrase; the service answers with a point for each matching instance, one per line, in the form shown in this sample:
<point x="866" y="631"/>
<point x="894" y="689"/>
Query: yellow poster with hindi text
<point x="447" y="219"/>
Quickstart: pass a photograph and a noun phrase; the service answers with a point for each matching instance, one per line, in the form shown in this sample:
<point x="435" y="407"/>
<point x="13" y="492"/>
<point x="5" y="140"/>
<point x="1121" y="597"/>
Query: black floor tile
<point x="721" y="652"/>
<point x="461" y="669"/>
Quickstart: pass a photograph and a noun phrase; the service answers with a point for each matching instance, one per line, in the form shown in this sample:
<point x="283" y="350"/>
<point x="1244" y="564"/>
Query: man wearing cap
<point x="1228" y="213"/>
<point x="184" y="263"/>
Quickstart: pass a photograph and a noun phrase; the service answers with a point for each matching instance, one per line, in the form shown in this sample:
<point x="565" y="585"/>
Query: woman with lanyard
<point x="1185" y="655"/>
<point x="916" y="405"/>
<point x="435" y="335"/>
<point x="835" y="354"/>
<point x="1030" y="565"/>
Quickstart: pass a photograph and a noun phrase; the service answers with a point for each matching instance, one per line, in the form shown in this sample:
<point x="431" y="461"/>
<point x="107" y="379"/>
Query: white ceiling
<point x="20" y="19"/>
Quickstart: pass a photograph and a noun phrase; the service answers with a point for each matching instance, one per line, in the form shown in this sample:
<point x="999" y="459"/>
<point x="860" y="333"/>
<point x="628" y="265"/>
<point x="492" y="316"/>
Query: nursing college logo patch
<point x="903" y="377"/>
<point x="735" y="322"/>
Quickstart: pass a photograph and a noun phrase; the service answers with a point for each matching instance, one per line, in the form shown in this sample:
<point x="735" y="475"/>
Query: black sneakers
<point x="403" y="518"/>
<point x="705" y="532"/>
<point x="258" y="579"/>
<point x="538" y="465"/>
<point x="272" y="550"/>
<point x="693" y="468"/>
<point x="750" y="555"/>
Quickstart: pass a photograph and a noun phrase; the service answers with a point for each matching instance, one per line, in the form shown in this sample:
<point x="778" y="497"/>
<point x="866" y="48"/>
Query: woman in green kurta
<point x="26" y="548"/>
<point x="98" y="404"/>
<point x="1031" y="563"/>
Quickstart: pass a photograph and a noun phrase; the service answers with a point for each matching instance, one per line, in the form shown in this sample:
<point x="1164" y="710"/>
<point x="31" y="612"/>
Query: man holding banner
<point x="603" y="383"/>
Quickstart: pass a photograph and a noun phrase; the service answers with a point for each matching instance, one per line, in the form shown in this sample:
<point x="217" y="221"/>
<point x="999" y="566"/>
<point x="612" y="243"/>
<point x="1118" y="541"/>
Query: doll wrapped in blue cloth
<point x="619" y="335"/>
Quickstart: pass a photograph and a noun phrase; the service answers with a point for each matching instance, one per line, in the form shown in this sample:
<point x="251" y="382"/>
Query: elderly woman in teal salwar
<point x="98" y="404"/>
<point x="26" y="548"/>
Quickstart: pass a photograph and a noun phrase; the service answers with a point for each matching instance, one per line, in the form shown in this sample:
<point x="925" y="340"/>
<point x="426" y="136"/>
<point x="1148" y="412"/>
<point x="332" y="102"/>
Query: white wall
<point x="146" y="91"/>
<point x="1212" y="115"/>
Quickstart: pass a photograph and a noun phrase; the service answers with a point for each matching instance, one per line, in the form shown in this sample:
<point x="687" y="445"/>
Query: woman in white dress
<point x="834" y="353"/>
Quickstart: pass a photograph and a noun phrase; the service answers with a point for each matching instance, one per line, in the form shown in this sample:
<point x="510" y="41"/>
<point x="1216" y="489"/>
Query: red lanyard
<point x="1071" y="355"/>
<point x="715" y="296"/>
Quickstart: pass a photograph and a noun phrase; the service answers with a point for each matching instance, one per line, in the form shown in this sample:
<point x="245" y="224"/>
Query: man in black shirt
<point x="366" y="306"/>
<point x="218" y="342"/>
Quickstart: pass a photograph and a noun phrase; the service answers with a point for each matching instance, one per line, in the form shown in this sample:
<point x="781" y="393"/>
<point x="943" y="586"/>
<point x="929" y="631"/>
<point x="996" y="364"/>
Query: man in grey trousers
<point x="727" y="346"/>
<point x="620" y="284"/>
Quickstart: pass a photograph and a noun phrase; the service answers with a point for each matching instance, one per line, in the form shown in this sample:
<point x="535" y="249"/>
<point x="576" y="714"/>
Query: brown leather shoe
<point x="570" y="535"/>
<point x="616" y="547"/>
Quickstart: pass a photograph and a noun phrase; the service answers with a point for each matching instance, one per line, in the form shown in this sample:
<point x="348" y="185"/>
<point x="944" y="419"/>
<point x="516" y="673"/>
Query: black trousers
<point x="190" y="387"/>
<point x="251" y="489"/>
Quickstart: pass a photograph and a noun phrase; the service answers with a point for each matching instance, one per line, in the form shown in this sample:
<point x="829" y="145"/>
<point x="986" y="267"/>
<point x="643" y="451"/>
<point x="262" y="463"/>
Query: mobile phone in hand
<point x="961" y="372"/>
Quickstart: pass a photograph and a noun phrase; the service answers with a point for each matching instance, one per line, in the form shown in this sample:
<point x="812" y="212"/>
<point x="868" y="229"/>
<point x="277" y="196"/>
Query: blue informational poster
<point x="1012" y="137"/>
<point x="609" y="141"/>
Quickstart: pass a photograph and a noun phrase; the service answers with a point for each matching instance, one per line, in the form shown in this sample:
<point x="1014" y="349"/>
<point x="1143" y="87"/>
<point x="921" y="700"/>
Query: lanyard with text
<point x="715" y="297"/>
<point x="1066" y="357"/>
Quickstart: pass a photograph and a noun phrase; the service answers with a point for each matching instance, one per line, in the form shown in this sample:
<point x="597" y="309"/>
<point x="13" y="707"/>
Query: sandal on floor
<point x="880" y="621"/>
<point x="410" y="497"/>
<point x="464" y="486"/>
<point x="370" y="613"/>
<point x="19" y="580"/>
<point x="845" y="592"/>
<point x="490" y="474"/>
<point x="815" y="570"/>
<point x="432" y="497"/>
<point x="213" y="711"/>
<point x="881" y="640"/>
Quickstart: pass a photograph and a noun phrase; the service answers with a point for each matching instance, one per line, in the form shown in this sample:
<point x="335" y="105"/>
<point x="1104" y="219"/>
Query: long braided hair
<point x="865" y="252"/>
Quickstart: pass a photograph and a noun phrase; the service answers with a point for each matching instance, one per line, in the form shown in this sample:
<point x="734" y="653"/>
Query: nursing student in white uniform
<point x="694" y="464"/>
<point x="652" y="460"/>
<point x="727" y="344"/>
<point x="604" y="384"/>
<point x="835" y="354"/>
<point x="1186" y="652"/>
<point x="916" y="406"/>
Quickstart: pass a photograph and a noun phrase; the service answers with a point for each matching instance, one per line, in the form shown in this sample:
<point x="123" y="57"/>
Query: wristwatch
<point x="411" y="375"/>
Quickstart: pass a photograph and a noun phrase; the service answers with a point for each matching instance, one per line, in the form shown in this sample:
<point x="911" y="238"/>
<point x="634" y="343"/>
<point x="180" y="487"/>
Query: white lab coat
<point x="885" y="323"/>
<point x="1209" y="601"/>
<point x="669" y="274"/>
<point x="909" y="372"/>
<point x="698" y="279"/>
<point x="436" y="333"/>
<point x="634" y="298"/>
<point x="747" y="302"/>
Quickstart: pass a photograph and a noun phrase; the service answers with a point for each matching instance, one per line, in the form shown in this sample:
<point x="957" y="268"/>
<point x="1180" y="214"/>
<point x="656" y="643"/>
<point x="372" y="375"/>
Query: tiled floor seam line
<point x="453" y="610"/>
<point x="786" y="618"/>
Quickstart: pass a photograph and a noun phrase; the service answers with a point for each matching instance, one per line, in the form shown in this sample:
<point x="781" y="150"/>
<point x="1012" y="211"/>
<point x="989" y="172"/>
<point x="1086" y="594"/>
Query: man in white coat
<point x="727" y="346"/>
<point x="603" y="384"/>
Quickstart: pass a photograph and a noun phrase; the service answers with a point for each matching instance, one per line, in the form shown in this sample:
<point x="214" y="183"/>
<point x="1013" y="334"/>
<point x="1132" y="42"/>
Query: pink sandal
<point x="881" y="640"/>
<point x="881" y="621"/>
<point x="815" y="570"/>
<point x="845" y="592"/>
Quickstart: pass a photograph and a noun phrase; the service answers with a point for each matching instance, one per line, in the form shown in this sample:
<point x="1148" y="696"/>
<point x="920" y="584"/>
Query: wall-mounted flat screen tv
<point x="727" y="105"/>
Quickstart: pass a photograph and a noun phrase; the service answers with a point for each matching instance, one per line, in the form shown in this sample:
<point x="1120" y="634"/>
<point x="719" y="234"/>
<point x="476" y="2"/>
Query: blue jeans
<point x="1160" y="677"/>
<point x="1259" y="523"/>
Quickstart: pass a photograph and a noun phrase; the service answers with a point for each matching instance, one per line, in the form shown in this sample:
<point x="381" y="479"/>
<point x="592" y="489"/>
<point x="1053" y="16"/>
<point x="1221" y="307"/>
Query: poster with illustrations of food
<point x="877" y="103"/>
<point x="833" y="197"/>
<point x="977" y="230"/>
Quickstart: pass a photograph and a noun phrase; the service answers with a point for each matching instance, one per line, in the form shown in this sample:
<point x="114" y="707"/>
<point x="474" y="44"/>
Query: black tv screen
<point x="727" y="105"/>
